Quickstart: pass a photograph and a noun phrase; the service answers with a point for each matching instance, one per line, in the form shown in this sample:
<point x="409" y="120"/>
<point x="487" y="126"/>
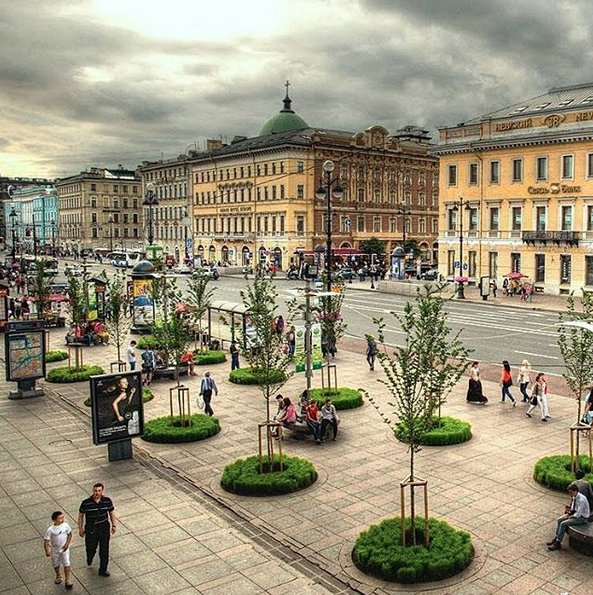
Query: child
<point x="56" y="543"/>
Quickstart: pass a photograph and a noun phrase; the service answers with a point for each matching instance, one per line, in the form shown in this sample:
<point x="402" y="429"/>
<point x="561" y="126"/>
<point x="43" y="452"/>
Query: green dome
<point x="285" y="121"/>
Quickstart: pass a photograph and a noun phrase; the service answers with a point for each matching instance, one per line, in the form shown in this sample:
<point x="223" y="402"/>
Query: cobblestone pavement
<point x="182" y="533"/>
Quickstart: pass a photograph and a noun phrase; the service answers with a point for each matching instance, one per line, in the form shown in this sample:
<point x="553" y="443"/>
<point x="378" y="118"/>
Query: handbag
<point x="201" y="402"/>
<point x="533" y="400"/>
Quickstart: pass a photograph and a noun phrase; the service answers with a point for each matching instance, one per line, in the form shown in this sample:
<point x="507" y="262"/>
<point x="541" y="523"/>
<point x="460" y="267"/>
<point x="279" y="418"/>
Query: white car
<point x="183" y="269"/>
<point x="74" y="269"/>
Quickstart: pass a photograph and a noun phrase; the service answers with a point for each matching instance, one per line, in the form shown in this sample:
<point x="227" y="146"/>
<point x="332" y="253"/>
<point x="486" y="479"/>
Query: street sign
<point x="465" y="266"/>
<point x="189" y="243"/>
<point x="456" y="264"/>
<point x="347" y="221"/>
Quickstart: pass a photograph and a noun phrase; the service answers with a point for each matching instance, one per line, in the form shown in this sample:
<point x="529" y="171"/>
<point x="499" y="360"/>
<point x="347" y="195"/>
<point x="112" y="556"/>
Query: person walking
<point x="131" y="355"/>
<point x="506" y="381"/>
<point x="234" y="351"/>
<point x="98" y="515"/>
<point x="207" y="389"/>
<point x="474" y="390"/>
<point x="523" y="379"/>
<point x="545" y="407"/>
<point x="536" y="397"/>
<point x="56" y="543"/>
<point x="148" y="365"/>
<point x="371" y="351"/>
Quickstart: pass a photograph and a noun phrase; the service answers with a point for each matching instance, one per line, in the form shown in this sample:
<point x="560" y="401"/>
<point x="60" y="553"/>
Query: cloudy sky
<point x="101" y="82"/>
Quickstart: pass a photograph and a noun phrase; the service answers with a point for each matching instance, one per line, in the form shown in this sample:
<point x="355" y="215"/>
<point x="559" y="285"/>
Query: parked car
<point x="430" y="275"/>
<point x="211" y="272"/>
<point x="293" y="274"/>
<point x="183" y="269"/>
<point x="346" y="274"/>
<point x="73" y="269"/>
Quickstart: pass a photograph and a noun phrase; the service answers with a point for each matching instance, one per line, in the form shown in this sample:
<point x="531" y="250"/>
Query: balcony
<point x="570" y="238"/>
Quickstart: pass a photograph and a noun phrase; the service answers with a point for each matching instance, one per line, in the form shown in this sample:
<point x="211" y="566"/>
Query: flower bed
<point x="379" y="551"/>
<point x="554" y="471"/>
<point x="55" y="356"/>
<point x="65" y="374"/>
<point x="207" y="358"/>
<point x="444" y="433"/>
<point x="246" y="376"/>
<point x="243" y="476"/>
<point x="342" y="398"/>
<point x="161" y="429"/>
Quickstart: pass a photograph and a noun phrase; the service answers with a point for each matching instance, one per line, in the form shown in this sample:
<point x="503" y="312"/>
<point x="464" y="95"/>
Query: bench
<point x="169" y="372"/>
<point x="301" y="430"/>
<point x="580" y="538"/>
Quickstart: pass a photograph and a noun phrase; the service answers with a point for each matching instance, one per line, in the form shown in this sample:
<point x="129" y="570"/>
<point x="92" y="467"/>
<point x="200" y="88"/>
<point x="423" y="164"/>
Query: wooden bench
<point x="169" y="372"/>
<point x="301" y="430"/>
<point x="580" y="538"/>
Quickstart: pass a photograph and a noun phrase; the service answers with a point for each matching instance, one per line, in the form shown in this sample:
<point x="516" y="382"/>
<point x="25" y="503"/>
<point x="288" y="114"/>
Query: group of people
<point x="92" y="333"/>
<point x="536" y="395"/>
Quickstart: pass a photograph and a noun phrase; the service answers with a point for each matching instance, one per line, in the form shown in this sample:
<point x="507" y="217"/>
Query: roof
<point x="286" y="121"/>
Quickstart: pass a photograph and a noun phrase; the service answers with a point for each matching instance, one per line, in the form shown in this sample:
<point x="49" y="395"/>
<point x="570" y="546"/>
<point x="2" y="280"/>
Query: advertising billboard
<point x="143" y="302"/>
<point x="25" y="351"/>
<point x="116" y="406"/>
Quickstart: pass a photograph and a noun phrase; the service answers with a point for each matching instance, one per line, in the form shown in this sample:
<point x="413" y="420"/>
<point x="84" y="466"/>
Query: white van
<point x="125" y="259"/>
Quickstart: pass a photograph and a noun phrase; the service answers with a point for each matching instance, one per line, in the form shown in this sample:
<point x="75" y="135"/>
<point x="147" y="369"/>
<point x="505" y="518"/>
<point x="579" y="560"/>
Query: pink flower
<point x="459" y="279"/>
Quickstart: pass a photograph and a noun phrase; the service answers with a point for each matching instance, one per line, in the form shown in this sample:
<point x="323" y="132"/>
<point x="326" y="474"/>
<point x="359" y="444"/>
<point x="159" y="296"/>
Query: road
<point x="493" y="332"/>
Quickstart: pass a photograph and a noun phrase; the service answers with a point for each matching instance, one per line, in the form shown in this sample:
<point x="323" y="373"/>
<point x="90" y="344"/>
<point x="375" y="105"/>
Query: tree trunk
<point x="412" y="499"/>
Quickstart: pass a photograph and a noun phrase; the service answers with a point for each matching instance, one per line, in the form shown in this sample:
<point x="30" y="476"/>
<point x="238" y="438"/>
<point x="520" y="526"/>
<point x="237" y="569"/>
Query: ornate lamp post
<point x="459" y="211"/>
<point x="325" y="192"/>
<point x="150" y="200"/>
<point x="110" y="221"/>
<point x="13" y="217"/>
<point x="53" y="237"/>
<point x="404" y="212"/>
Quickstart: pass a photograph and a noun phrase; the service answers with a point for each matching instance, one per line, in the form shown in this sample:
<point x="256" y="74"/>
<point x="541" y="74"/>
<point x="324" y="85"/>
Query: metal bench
<point x="169" y="372"/>
<point x="580" y="538"/>
<point x="301" y="430"/>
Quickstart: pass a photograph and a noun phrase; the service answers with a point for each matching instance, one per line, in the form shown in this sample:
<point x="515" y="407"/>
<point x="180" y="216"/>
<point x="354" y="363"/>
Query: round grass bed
<point x="161" y="429"/>
<point x="379" y="551"/>
<point x="246" y="376"/>
<point x="554" y="471"/>
<point x="65" y="374"/>
<point x="147" y="395"/>
<point x="207" y="358"/>
<point x="444" y="433"/>
<point x="55" y="356"/>
<point x="342" y="398"/>
<point x="243" y="476"/>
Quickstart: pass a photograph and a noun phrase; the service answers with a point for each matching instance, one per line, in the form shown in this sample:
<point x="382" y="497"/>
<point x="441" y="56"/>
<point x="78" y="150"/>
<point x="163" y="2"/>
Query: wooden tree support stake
<point x="409" y="483"/>
<point x="269" y="439"/>
<point x="575" y="430"/>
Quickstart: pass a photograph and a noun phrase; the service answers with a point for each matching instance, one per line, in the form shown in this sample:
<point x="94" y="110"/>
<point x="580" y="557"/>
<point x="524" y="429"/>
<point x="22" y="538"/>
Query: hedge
<point x="162" y="431"/>
<point x="246" y="376"/>
<point x="65" y="374"/>
<point x="379" y="551"/>
<point x="343" y="398"/>
<point x="207" y="358"/>
<point x="554" y="471"/>
<point x="147" y="395"/>
<point x="55" y="356"/>
<point x="149" y="341"/>
<point x="446" y="432"/>
<point x="243" y="476"/>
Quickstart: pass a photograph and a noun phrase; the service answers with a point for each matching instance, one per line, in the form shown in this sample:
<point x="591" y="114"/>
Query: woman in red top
<point x="313" y="422"/>
<point x="506" y="381"/>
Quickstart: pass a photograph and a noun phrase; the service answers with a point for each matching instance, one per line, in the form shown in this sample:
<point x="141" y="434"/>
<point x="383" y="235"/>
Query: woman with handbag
<point x="506" y="381"/>
<point x="523" y="379"/>
<point x="536" y="397"/>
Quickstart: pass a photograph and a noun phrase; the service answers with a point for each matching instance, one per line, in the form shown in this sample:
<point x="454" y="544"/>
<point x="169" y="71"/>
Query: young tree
<point x="329" y="316"/>
<point x="576" y="348"/>
<point x="373" y="246"/>
<point x="117" y="319"/>
<point x="77" y="309"/>
<point x="199" y="298"/>
<point x="266" y="351"/>
<point x="421" y="372"/>
<point x="40" y="287"/>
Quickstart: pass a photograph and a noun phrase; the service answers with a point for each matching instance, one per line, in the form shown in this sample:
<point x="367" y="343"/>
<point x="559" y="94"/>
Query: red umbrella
<point x="515" y="275"/>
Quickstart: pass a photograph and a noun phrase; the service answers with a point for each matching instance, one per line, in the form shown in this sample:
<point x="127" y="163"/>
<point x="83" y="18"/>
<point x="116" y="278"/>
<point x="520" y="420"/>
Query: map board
<point x="25" y="357"/>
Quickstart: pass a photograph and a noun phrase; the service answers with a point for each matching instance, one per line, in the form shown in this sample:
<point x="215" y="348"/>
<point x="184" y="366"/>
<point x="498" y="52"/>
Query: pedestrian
<point x="56" y="543"/>
<point x="291" y="340"/>
<point x="148" y="365"/>
<point x="234" y="350"/>
<point x="474" y="390"/>
<point x="587" y="412"/>
<point x="131" y="355"/>
<point x="279" y="325"/>
<point x="506" y="381"/>
<point x="98" y="514"/>
<point x="545" y="407"/>
<point x="577" y="513"/>
<point x="505" y="286"/>
<point x="523" y="379"/>
<point x="371" y="351"/>
<point x="536" y="397"/>
<point x="494" y="287"/>
<point x="329" y="416"/>
<point x="207" y="388"/>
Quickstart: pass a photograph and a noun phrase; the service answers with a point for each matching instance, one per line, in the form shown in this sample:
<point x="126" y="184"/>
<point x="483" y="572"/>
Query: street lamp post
<point x="53" y="237"/>
<point x="110" y="221"/>
<point x="34" y="238"/>
<point x="404" y="212"/>
<point x="150" y="200"/>
<point x="459" y="210"/>
<point x="13" y="217"/>
<point x="326" y="193"/>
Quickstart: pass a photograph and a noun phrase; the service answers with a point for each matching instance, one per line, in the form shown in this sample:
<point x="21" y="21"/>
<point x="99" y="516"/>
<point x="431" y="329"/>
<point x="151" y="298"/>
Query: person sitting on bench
<point x="313" y="415"/>
<point x="577" y="513"/>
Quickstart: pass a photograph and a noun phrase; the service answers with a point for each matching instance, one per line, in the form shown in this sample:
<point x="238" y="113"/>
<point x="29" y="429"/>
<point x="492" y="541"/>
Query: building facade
<point x="516" y="192"/>
<point x="101" y="209"/>
<point x="254" y="200"/>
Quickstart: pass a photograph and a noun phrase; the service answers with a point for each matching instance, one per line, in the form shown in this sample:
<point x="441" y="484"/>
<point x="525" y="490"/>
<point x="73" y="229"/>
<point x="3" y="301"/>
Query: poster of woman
<point x="143" y="312"/>
<point x="116" y="403"/>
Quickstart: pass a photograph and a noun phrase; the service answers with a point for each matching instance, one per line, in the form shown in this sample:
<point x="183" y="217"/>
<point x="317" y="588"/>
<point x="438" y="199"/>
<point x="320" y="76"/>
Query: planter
<point x="342" y="398"/>
<point x="246" y="376"/>
<point x="243" y="476"/>
<point x="208" y="358"/>
<point x="55" y="356"/>
<point x="161" y="430"/>
<point x="379" y="552"/>
<point x="554" y="471"/>
<point x="65" y="375"/>
<point x="450" y="431"/>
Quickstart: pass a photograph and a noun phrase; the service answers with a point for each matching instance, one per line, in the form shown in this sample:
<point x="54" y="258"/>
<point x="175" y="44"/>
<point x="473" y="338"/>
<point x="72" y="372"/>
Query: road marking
<point x="537" y="354"/>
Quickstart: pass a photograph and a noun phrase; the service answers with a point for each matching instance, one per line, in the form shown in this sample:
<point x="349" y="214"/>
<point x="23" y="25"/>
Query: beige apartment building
<point x="100" y="208"/>
<point x="254" y="199"/>
<point x="516" y="192"/>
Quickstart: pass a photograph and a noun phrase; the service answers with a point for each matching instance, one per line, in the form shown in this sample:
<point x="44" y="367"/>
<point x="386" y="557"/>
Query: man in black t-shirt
<point x="100" y="523"/>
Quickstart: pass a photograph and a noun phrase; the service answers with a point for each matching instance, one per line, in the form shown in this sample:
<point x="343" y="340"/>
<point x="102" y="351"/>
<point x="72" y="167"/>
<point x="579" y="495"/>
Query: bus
<point x="125" y="259"/>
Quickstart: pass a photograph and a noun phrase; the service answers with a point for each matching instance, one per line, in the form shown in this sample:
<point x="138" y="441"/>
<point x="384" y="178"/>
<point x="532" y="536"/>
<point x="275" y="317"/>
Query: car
<point x="430" y="275"/>
<point x="183" y="269"/>
<point x="211" y="272"/>
<point x="346" y="274"/>
<point x="73" y="269"/>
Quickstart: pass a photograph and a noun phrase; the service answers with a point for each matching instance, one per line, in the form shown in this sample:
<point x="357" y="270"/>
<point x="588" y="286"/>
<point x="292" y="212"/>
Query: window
<point x="541" y="166"/>
<point x="360" y="224"/>
<point x="493" y="264"/>
<point x="300" y="167"/>
<point x="452" y="175"/>
<point x="588" y="270"/>
<point x="435" y="226"/>
<point x="567" y="167"/>
<point x="473" y="219"/>
<point x="540" y="268"/>
<point x="516" y="213"/>
<point x="515" y="262"/>
<point x="94" y="232"/>
<point x="393" y="226"/>
<point x="376" y="224"/>
<point x="115" y="202"/>
<point x="93" y="202"/>
<point x="540" y="215"/>
<point x="361" y="195"/>
<point x="392" y="197"/>
<point x="495" y="172"/>
<point x="517" y="170"/>
<point x="473" y="174"/>
<point x="300" y="191"/>
<point x="421" y="199"/>
<point x="115" y="188"/>
<point x="93" y="217"/>
<point x="300" y="225"/>
<point x="452" y="220"/>
<point x="566" y="216"/>
<point x="590" y="218"/>
<point x="421" y="225"/>
<point x="93" y="187"/>
<point x="565" y="268"/>
<point x="589" y="165"/>
<point x="494" y="218"/>
<point x="377" y="196"/>
<point x="471" y="263"/>
<point x="282" y="191"/>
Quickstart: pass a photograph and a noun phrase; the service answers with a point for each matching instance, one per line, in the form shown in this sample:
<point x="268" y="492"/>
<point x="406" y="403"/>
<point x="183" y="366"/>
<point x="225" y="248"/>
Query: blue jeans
<point x="315" y="428"/>
<point x="563" y="524"/>
<point x="507" y="393"/>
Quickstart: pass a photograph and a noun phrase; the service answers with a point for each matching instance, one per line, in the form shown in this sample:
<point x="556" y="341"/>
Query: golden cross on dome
<point x="287" y="84"/>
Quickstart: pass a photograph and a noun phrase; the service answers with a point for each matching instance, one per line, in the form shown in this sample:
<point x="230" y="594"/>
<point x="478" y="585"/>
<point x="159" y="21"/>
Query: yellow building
<point x="254" y="199"/>
<point x="516" y="192"/>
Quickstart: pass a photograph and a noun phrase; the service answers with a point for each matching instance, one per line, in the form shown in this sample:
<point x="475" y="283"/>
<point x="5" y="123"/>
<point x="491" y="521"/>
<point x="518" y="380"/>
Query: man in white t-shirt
<point x="131" y="353"/>
<point x="56" y="543"/>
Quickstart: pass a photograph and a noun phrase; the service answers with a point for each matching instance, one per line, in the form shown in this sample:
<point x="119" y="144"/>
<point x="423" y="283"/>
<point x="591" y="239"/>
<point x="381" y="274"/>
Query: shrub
<point x="448" y="431"/>
<point x="149" y="341"/>
<point x="147" y="395"/>
<point x="65" y="374"/>
<point x="554" y="471"/>
<point x="243" y="476"/>
<point x="379" y="551"/>
<point x="161" y="429"/>
<point x="55" y="356"/>
<point x="207" y="358"/>
<point x="246" y="376"/>
<point x="342" y="398"/>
